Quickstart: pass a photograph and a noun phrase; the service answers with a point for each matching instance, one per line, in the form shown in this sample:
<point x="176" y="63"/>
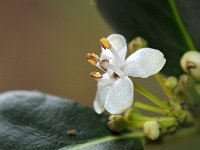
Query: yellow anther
<point x="95" y="74"/>
<point x="105" y="43"/>
<point x="92" y="58"/>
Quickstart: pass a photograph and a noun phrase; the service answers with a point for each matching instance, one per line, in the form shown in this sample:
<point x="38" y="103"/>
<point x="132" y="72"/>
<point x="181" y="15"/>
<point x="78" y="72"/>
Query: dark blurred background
<point x="43" y="45"/>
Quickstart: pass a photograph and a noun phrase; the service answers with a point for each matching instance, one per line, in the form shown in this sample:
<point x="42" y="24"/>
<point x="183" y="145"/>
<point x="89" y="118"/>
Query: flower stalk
<point x="148" y="107"/>
<point x="150" y="96"/>
<point x="160" y="80"/>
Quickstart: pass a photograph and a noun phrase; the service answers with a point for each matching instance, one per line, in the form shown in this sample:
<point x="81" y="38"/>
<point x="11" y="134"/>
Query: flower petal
<point x="120" y="96"/>
<point x="144" y="63"/>
<point x="102" y="91"/>
<point x="118" y="42"/>
<point x="98" y="107"/>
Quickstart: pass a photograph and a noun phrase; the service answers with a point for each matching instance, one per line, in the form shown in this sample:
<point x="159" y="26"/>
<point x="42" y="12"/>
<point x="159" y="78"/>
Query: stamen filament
<point x="116" y="56"/>
<point x="104" y="64"/>
<point x="98" y="66"/>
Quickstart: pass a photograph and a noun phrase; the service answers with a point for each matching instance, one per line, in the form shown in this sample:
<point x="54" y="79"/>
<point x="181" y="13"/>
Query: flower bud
<point x="117" y="123"/>
<point x="171" y="82"/>
<point x="136" y="44"/>
<point x="190" y="63"/>
<point x="152" y="129"/>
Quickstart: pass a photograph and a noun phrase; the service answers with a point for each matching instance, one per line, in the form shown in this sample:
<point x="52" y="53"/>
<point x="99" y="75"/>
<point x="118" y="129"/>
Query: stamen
<point x="95" y="74"/>
<point x="115" y="54"/>
<point x="104" y="64"/>
<point x="92" y="58"/>
<point x="105" y="43"/>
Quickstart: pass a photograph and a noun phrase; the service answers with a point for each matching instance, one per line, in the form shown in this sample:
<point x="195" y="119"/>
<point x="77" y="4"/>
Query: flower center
<point x="114" y="70"/>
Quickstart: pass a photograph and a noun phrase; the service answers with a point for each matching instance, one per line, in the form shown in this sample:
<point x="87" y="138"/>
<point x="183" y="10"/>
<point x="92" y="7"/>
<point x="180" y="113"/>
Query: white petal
<point x="102" y="91"/>
<point x="144" y="63"/>
<point x="106" y="54"/>
<point x="120" y="96"/>
<point x="118" y="42"/>
<point x="97" y="107"/>
<point x="98" y="104"/>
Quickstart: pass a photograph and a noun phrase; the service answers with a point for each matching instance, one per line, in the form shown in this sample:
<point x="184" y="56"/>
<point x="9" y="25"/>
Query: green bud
<point x="136" y="44"/>
<point x="171" y="82"/>
<point x="117" y="123"/>
<point x="190" y="63"/>
<point x="152" y="129"/>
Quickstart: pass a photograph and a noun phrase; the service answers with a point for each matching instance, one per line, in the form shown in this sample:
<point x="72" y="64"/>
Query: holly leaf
<point x="168" y="25"/>
<point x="34" y="120"/>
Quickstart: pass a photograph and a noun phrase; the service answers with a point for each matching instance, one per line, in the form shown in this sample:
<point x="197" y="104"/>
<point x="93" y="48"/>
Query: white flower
<point x="115" y="91"/>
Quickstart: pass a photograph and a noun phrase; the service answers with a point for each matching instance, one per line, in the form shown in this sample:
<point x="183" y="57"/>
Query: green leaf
<point x="168" y="25"/>
<point x="33" y="121"/>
